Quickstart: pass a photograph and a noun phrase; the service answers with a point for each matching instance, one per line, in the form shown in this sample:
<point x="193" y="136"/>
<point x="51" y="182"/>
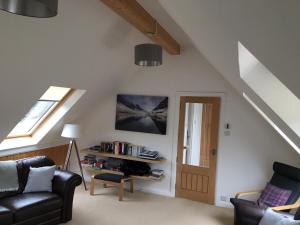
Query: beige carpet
<point x="143" y="209"/>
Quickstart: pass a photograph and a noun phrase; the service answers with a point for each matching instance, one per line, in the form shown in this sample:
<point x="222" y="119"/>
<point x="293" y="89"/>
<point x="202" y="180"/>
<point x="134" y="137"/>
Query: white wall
<point x="244" y="159"/>
<point x="83" y="48"/>
<point x="87" y="46"/>
<point x="268" y="28"/>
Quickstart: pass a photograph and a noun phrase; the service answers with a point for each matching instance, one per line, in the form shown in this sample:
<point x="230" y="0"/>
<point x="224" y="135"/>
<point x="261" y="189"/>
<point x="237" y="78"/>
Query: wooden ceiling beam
<point x="136" y="15"/>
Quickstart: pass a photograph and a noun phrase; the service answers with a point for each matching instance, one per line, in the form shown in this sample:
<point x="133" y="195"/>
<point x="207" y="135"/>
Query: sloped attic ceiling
<point x="87" y="46"/>
<point x="38" y="53"/>
<point x="268" y="28"/>
<point x="80" y="46"/>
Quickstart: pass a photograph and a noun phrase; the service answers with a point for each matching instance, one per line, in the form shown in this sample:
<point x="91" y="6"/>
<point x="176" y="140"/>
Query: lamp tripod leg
<point x="68" y="155"/>
<point x="78" y="158"/>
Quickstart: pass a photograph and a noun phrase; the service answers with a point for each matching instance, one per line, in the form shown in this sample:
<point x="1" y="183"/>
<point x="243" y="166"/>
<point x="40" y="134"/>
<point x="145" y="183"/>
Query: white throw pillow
<point x="274" y="218"/>
<point x="8" y="176"/>
<point x="40" y="179"/>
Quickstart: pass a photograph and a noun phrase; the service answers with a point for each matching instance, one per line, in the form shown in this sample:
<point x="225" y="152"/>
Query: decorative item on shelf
<point x="157" y="174"/>
<point x="91" y="161"/>
<point x="31" y="8"/>
<point x="116" y="148"/>
<point x="140" y="113"/>
<point x="72" y="132"/>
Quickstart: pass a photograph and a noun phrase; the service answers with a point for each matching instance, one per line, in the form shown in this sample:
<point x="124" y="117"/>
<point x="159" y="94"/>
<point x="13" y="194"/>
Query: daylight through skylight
<point x="272" y="123"/>
<point x="39" y="112"/>
<point x="269" y="88"/>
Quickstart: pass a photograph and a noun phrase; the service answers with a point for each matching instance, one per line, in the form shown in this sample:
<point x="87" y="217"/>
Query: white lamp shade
<point x="71" y="131"/>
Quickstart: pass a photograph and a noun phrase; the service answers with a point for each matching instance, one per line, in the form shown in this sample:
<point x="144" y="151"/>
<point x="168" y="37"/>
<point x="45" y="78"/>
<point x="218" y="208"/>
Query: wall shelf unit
<point x="127" y="157"/>
<point x="97" y="171"/>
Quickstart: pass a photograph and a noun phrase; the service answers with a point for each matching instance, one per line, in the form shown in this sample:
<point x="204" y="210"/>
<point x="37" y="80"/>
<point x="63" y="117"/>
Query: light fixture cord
<point x="154" y="30"/>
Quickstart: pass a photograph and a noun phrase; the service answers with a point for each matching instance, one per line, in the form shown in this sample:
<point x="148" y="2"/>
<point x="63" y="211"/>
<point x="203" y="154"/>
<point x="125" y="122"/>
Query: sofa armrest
<point x="297" y="214"/>
<point x="6" y="216"/>
<point x="63" y="181"/>
<point x="64" y="184"/>
<point x="246" y="212"/>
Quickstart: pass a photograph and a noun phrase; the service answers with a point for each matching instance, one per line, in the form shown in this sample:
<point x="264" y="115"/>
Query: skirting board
<point x="155" y="191"/>
<point x="224" y="204"/>
<point x="163" y="193"/>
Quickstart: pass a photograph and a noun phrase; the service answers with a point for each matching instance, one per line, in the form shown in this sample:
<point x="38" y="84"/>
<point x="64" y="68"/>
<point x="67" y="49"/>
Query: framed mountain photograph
<point x="140" y="113"/>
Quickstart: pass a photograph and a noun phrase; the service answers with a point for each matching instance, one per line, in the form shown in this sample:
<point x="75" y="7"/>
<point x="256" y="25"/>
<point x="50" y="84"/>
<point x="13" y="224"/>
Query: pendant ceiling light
<point x="148" y="54"/>
<point x="31" y="8"/>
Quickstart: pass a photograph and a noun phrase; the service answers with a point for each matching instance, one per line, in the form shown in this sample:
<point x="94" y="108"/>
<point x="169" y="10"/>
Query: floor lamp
<point x="72" y="132"/>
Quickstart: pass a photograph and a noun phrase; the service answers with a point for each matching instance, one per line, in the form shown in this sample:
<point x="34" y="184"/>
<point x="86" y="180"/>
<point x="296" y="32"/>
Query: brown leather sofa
<point x="40" y="208"/>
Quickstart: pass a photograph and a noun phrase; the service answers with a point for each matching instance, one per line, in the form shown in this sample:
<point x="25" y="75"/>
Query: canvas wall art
<point x="141" y="113"/>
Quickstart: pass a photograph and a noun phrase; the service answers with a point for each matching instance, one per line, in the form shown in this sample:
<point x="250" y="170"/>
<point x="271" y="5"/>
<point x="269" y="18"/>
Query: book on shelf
<point x="147" y="154"/>
<point x="119" y="148"/>
<point x="128" y="149"/>
<point x="157" y="174"/>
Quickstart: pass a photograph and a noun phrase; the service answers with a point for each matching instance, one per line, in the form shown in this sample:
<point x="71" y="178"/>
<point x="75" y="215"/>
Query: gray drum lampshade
<point x="148" y="55"/>
<point x="31" y="8"/>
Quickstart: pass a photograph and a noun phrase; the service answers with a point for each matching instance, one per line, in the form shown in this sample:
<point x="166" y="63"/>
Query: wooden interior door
<point x="197" y="148"/>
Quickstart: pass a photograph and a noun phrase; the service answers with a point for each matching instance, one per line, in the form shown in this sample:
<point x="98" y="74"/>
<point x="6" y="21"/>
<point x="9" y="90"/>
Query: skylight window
<point x="41" y="110"/>
<point x="270" y="89"/>
<point x="272" y="123"/>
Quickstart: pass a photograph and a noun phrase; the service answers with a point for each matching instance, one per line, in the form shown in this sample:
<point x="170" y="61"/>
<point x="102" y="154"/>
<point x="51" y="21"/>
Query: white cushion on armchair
<point x="275" y="218"/>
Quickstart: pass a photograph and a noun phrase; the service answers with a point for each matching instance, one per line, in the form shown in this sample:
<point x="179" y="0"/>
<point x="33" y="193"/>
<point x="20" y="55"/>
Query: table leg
<point x="121" y="190"/>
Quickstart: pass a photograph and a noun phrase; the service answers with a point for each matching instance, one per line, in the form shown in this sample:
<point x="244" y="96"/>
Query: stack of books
<point x="157" y="174"/>
<point x="135" y="150"/>
<point x="119" y="148"/>
<point x="89" y="159"/>
<point x="146" y="154"/>
<point x="125" y="148"/>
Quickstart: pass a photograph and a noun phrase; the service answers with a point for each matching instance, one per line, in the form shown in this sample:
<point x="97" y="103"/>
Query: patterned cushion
<point x="273" y="196"/>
